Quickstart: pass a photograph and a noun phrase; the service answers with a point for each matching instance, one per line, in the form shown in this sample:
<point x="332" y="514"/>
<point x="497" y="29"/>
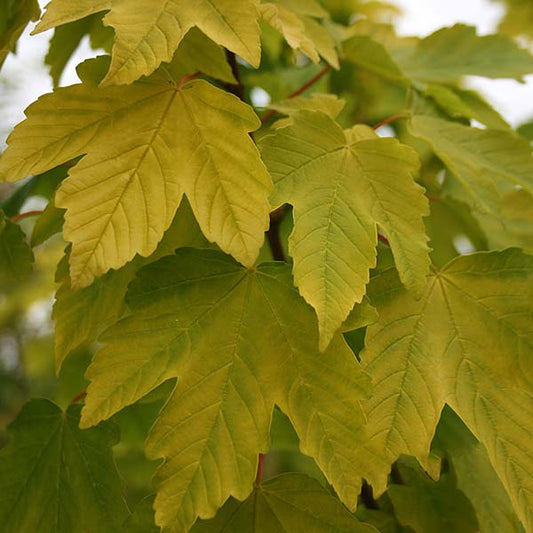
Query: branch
<point x="393" y="118"/>
<point x="188" y="77"/>
<point x="79" y="397"/>
<point x="20" y="216"/>
<point x="269" y="114"/>
<point x="383" y="239"/>
<point x="235" y="88"/>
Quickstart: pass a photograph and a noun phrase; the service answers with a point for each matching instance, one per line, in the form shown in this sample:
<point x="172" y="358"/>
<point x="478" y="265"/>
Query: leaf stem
<point x="188" y="77"/>
<point x="235" y="88"/>
<point x="79" y="397"/>
<point x="269" y="114"/>
<point x="383" y="239"/>
<point x="390" y="119"/>
<point x="20" y="216"/>
<point x="260" y="466"/>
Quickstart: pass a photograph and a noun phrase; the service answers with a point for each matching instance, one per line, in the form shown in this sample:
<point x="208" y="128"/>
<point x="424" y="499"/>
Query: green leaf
<point x="14" y="17"/>
<point x="49" y="223"/>
<point x="66" y="40"/>
<point x="299" y="30"/>
<point x="239" y="341"/>
<point x="146" y="145"/>
<point x="329" y="104"/>
<point x="342" y="185"/>
<point x="466" y="104"/>
<point x="57" y="478"/>
<point x="147" y="33"/>
<point x="291" y="502"/>
<point x="475" y="475"/>
<point x="451" y="53"/>
<point x="198" y="53"/>
<point x="372" y="55"/>
<point x="16" y="257"/>
<point x="467" y="342"/>
<point x="81" y="315"/>
<point x="486" y="162"/>
<point x="426" y="505"/>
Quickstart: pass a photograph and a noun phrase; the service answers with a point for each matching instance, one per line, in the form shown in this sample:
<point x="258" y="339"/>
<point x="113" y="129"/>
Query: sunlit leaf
<point x="342" y="185"/>
<point x="238" y="341"/>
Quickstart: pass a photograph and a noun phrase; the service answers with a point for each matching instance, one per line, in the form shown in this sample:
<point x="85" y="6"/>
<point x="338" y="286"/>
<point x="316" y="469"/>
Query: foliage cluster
<point x="380" y="377"/>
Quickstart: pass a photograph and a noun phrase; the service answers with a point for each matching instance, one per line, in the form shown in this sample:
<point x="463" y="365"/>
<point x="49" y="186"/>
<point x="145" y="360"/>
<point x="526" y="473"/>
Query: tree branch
<point x="20" y="216"/>
<point x="388" y="120"/>
<point x="269" y="114"/>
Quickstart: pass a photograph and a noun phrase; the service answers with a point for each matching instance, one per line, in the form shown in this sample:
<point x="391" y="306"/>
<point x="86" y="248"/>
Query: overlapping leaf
<point x="239" y="341"/>
<point x="343" y="184"/>
<point x="425" y="505"/>
<point x="146" y="145"/>
<point x="475" y="475"/>
<point x="468" y="342"/>
<point x="300" y="30"/>
<point x="16" y="257"/>
<point x="81" y="315"/>
<point x="443" y="57"/>
<point x="291" y="502"/>
<point x="55" y="477"/>
<point x="490" y="165"/>
<point x="148" y="32"/>
<point x="14" y="17"/>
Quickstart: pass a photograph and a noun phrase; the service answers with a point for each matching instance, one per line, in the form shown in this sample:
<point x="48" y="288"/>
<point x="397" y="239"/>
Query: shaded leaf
<point x="14" y="17"/>
<point x="55" y="477"/>
<point x="291" y="502"/>
<point x="475" y="475"/>
<point x="81" y="315"/>
<point x="426" y="505"/>
<point x="16" y="257"/>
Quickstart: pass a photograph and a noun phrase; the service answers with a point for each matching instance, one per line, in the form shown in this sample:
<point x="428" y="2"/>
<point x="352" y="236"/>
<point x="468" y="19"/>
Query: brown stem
<point x="188" y="77"/>
<point x="433" y="197"/>
<point x="260" y="466"/>
<point x="383" y="239"/>
<point x="388" y="120"/>
<point x="269" y="114"/>
<point x="235" y="88"/>
<point x="20" y="216"/>
<point x="79" y="397"/>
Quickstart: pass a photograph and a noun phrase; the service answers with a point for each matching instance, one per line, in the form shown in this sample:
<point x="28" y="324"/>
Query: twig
<point x="269" y="114"/>
<point x="20" y="216"/>
<point x="79" y="397"/>
<point x="393" y="118"/>
<point x="188" y="77"/>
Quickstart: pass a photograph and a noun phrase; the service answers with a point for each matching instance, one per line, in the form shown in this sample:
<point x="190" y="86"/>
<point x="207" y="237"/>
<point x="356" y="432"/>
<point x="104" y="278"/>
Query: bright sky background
<point x="24" y="76"/>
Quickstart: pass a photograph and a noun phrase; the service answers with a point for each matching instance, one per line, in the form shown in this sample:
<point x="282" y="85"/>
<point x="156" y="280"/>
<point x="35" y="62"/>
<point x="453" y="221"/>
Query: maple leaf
<point x="81" y="315"/>
<point x="475" y="476"/>
<point x="424" y="353"/>
<point x="146" y="144"/>
<point x="14" y="17"/>
<point x="55" y="477"/>
<point x="300" y="30"/>
<point x="290" y="502"/>
<point x="239" y="341"/>
<point x="16" y="257"/>
<point x="148" y="32"/>
<point x="342" y="185"/>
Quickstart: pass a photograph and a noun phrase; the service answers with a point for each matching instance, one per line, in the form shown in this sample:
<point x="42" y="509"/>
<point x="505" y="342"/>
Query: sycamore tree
<point x="292" y="283"/>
